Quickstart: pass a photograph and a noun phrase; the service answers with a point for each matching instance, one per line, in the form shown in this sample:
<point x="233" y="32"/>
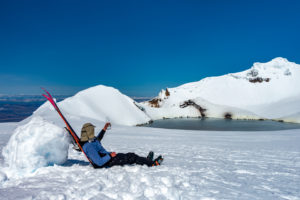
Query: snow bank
<point x="267" y="86"/>
<point x="103" y="104"/>
<point x="36" y="144"/>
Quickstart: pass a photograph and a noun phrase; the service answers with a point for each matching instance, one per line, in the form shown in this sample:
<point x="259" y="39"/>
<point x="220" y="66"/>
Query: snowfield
<point x="198" y="165"/>
<point x="38" y="161"/>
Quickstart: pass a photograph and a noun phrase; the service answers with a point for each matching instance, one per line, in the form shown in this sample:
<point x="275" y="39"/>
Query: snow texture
<point x="36" y="144"/>
<point x="197" y="165"/>
<point x="3" y="177"/>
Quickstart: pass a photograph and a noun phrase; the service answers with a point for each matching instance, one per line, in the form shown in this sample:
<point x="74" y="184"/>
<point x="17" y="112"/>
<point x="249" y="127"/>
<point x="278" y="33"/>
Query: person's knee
<point x="131" y="157"/>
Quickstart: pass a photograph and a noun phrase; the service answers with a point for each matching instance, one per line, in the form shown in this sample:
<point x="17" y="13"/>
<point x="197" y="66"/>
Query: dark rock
<point x="228" y="116"/>
<point x="192" y="103"/>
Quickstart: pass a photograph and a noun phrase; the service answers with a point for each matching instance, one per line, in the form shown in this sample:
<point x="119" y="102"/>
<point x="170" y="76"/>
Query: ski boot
<point x="150" y="155"/>
<point x="158" y="161"/>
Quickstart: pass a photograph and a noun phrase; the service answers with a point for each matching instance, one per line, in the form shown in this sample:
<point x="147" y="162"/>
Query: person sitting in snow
<point x="101" y="158"/>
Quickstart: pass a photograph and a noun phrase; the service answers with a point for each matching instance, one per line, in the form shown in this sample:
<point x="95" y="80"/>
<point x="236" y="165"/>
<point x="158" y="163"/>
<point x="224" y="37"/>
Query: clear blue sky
<point x="138" y="46"/>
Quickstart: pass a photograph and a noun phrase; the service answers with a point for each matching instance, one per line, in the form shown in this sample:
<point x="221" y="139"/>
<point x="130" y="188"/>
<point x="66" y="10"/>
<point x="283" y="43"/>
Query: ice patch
<point x="36" y="144"/>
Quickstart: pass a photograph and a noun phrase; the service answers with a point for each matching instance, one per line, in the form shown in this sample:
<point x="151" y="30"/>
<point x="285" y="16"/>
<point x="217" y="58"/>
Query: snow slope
<point x="100" y="103"/>
<point x="266" y="86"/>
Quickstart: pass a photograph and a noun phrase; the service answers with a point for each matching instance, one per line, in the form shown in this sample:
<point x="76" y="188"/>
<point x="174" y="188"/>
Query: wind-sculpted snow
<point x="36" y="144"/>
<point x="265" y="86"/>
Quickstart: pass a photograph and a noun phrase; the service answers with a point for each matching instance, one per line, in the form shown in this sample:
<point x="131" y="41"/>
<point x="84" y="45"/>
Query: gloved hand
<point x="106" y="126"/>
<point x="113" y="154"/>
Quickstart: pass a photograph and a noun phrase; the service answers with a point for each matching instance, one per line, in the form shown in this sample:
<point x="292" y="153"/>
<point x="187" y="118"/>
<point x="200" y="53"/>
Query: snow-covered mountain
<point x="271" y="87"/>
<point x="100" y="103"/>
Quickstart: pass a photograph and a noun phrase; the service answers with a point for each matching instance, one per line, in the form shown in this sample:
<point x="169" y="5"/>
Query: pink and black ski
<point x="69" y="128"/>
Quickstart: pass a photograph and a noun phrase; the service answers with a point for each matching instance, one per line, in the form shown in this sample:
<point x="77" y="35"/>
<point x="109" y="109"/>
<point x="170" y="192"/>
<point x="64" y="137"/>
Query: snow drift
<point x="36" y="144"/>
<point x="268" y="86"/>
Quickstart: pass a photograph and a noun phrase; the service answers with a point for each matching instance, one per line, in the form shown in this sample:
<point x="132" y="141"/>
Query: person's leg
<point x="143" y="161"/>
<point x="135" y="159"/>
<point x="119" y="159"/>
<point x="129" y="159"/>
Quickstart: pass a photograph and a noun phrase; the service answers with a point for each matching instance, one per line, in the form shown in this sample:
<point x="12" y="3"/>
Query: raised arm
<point x="102" y="132"/>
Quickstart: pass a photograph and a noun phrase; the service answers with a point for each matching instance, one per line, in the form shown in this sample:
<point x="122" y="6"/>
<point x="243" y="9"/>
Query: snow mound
<point x="264" y="86"/>
<point x="103" y="104"/>
<point x="36" y="144"/>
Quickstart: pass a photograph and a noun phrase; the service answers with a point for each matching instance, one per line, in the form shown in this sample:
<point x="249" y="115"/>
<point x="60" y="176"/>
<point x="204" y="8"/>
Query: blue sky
<point x="138" y="46"/>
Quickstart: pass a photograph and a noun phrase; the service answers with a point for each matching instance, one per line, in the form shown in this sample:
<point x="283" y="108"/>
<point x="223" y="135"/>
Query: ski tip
<point x="50" y="99"/>
<point x="44" y="89"/>
<point x="45" y="96"/>
<point x="47" y="92"/>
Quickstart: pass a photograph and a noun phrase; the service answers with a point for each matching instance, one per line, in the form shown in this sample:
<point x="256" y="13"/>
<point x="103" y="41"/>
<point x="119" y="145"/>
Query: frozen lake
<point x="222" y="124"/>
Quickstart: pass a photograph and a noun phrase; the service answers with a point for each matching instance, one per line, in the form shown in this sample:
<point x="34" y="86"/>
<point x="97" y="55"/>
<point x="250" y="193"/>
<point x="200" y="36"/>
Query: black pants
<point x="128" y="159"/>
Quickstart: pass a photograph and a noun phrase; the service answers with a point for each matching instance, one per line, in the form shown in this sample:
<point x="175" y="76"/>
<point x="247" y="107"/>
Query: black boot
<point x="150" y="155"/>
<point x="158" y="160"/>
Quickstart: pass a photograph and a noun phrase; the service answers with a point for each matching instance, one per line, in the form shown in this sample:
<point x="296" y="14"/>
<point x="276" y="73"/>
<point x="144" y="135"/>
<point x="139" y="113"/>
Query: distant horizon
<point x="14" y="96"/>
<point x="138" y="47"/>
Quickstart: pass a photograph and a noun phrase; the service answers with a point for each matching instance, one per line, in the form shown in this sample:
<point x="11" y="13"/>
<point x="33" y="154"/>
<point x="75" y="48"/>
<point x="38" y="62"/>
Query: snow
<point x="197" y="165"/>
<point x="215" y="111"/>
<point x="101" y="103"/>
<point x="235" y="94"/>
<point x="35" y="144"/>
<point x="39" y="163"/>
<point x="3" y="177"/>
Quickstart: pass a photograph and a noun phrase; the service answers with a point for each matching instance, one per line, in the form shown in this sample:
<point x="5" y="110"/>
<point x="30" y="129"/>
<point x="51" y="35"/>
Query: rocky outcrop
<point x="154" y="102"/>
<point x="259" y="80"/>
<point x="192" y="103"/>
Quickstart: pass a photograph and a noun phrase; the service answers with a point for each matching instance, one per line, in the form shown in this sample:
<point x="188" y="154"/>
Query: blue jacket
<point x="95" y="151"/>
